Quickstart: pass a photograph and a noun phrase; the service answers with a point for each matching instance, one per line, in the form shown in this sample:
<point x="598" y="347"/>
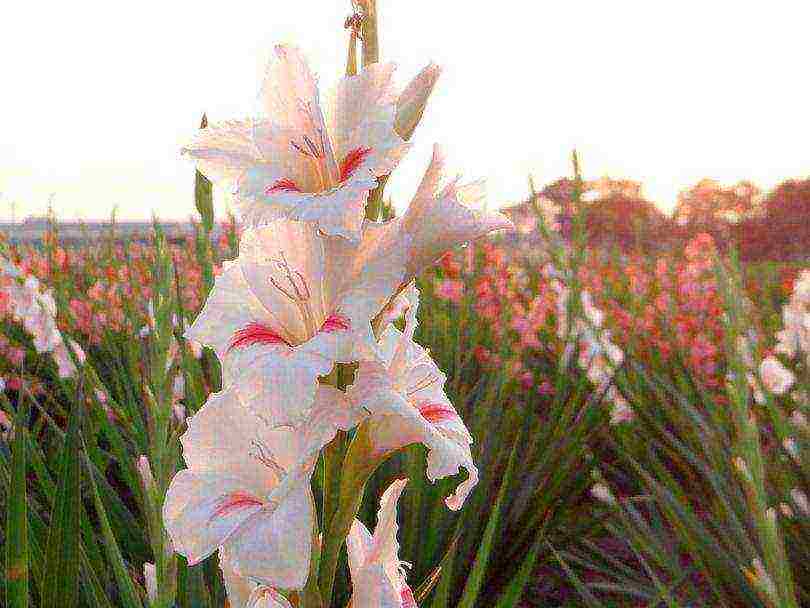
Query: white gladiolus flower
<point x="247" y="489"/>
<point x="291" y="306"/>
<point x="404" y="392"/>
<point x="378" y="577"/>
<point x="301" y="160"/>
<point x="775" y="376"/>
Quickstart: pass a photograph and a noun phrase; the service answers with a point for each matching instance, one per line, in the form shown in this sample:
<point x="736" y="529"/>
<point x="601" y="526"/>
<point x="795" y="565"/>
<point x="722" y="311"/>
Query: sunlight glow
<point x="100" y="96"/>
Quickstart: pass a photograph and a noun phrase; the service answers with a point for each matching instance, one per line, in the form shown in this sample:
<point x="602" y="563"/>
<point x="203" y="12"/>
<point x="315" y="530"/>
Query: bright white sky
<point x="97" y="97"/>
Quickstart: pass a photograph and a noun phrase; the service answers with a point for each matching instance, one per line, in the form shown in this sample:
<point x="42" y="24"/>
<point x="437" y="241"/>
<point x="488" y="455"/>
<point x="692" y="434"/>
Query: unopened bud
<point x="799" y="420"/>
<point x="742" y="468"/>
<point x="150" y="581"/>
<point x="800" y="500"/>
<point x="145" y="471"/>
<point x="413" y="100"/>
<point x="791" y="448"/>
<point x="764" y="580"/>
<point x="602" y="493"/>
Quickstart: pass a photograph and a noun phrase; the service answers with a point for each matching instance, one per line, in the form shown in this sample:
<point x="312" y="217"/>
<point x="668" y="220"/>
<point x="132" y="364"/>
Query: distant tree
<point x="708" y="205"/>
<point x="625" y="218"/>
<point x="783" y="229"/>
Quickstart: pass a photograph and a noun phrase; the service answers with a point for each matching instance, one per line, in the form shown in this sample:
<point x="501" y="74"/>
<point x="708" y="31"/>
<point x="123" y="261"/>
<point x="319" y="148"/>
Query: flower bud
<point x="145" y="471"/>
<point x="411" y="103"/>
<point x="150" y="581"/>
<point x="801" y="501"/>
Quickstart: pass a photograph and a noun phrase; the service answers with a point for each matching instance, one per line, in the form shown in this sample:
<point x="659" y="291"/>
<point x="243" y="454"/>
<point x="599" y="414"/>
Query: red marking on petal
<point x="352" y="161"/>
<point x="408" y="600"/>
<point x="282" y="185"/>
<point x="255" y="333"/>
<point x="235" y="502"/>
<point x="336" y="323"/>
<point x="437" y="412"/>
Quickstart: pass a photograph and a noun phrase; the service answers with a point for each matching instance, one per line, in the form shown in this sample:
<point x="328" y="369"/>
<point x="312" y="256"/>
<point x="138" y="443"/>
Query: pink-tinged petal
<point x="336" y="211"/>
<point x="267" y="597"/>
<point x="282" y="185"/>
<point x="385" y="547"/>
<point x="437" y="412"/>
<point x="336" y="322"/>
<point x="230" y="307"/>
<point x="226" y="437"/>
<point x="289" y="95"/>
<point x="274" y="546"/>
<point x="372" y="587"/>
<point x="225" y="150"/>
<point x="362" y="111"/>
<point x="372" y="272"/>
<point x="438" y="219"/>
<point x="263" y="371"/>
<point x="203" y="509"/>
<point x="408" y="600"/>
<point x="392" y="390"/>
<point x="283" y="265"/>
<point x="233" y="503"/>
<point x="374" y="564"/>
<point x="255" y="333"/>
<point x="352" y="161"/>
<point x="358" y="547"/>
<point x="238" y="588"/>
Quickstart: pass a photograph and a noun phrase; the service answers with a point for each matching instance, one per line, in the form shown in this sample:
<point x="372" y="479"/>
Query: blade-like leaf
<point x="17" y="517"/>
<point x="126" y="589"/>
<point x="478" y="570"/>
<point x="61" y="585"/>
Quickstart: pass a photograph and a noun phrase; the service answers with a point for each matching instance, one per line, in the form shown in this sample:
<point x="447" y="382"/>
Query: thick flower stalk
<point x="315" y="286"/>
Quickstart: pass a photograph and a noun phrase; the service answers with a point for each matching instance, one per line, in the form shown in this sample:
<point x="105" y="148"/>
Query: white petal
<point x="338" y="211"/>
<point x="274" y="546"/>
<point x="225" y="150"/>
<point x="289" y="95"/>
<point x="221" y="437"/>
<point x="262" y="371"/>
<point x="372" y="274"/>
<point x="238" y="588"/>
<point x="373" y="588"/>
<point x="282" y="260"/>
<point x="267" y="597"/>
<point x="438" y="220"/>
<point x="362" y="111"/>
<point x="358" y="546"/>
<point x="385" y="547"/>
<point x="396" y="423"/>
<point x="230" y="306"/>
<point x="195" y="513"/>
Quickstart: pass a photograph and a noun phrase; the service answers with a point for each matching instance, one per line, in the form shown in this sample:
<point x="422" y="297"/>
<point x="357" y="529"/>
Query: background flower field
<point x="640" y="421"/>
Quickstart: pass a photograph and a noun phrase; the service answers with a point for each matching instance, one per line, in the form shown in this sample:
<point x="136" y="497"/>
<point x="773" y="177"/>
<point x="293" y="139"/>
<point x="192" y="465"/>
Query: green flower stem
<point x="358" y="467"/>
<point x="351" y="61"/>
<point x="371" y="44"/>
